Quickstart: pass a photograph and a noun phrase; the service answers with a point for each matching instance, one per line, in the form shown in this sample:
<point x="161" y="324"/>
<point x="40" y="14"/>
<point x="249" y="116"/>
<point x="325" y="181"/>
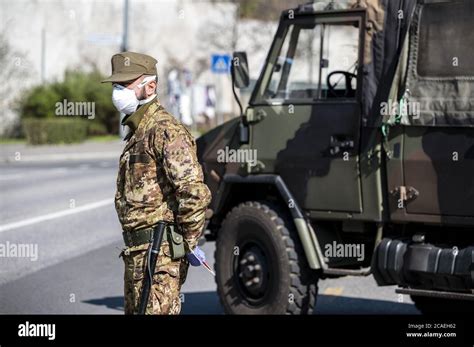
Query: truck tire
<point x="260" y="264"/>
<point x="428" y="305"/>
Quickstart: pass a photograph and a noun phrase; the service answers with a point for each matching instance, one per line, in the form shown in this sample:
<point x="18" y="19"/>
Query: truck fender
<point x="305" y="232"/>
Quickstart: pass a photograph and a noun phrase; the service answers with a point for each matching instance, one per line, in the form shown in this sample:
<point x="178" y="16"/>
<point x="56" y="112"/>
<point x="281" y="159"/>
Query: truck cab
<point x="361" y="128"/>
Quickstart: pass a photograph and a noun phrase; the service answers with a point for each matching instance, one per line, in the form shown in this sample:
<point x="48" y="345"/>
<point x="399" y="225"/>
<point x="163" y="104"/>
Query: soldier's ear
<point x="150" y="88"/>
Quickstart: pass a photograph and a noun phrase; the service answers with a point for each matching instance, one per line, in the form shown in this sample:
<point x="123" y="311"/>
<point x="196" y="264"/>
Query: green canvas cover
<point x="434" y="83"/>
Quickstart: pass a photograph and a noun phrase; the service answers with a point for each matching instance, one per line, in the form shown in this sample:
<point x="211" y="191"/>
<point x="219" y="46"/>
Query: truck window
<point x="446" y="46"/>
<point x="314" y="61"/>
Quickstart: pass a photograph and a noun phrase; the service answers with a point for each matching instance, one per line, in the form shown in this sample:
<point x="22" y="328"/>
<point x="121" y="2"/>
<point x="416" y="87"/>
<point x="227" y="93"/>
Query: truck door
<point x="307" y="107"/>
<point x="438" y="139"/>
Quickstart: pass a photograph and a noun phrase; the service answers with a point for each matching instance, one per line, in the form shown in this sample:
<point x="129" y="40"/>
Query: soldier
<point x="159" y="179"/>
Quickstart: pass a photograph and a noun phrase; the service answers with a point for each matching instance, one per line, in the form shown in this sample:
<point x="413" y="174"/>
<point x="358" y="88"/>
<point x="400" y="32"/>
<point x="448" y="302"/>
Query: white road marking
<point x="54" y="215"/>
<point x="11" y="176"/>
<point x="35" y="174"/>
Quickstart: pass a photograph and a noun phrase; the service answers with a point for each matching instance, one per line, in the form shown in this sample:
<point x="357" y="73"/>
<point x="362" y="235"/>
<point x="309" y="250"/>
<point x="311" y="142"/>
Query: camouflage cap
<point x="128" y="66"/>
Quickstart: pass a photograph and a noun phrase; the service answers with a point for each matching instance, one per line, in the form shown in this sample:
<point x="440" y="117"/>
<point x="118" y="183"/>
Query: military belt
<point x="142" y="236"/>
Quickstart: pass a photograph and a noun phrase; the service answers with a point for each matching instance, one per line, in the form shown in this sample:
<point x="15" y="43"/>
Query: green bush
<point x="54" y="131"/>
<point x="77" y="86"/>
<point x="39" y="102"/>
<point x="96" y="129"/>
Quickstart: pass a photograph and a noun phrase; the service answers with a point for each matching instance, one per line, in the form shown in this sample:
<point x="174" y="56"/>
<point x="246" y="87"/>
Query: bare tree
<point x="15" y="71"/>
<point x="13" y="65"/>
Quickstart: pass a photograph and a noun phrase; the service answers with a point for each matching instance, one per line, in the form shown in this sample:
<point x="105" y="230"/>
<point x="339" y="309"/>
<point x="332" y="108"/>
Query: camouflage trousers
<point x="168" y="277"/>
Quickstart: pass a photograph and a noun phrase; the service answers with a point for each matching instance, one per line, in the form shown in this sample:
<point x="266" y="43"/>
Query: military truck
<point x="354" y="157"/>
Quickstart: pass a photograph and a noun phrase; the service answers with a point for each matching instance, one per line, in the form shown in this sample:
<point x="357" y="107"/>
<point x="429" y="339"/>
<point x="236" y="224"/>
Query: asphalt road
<point x="66" y="209"/>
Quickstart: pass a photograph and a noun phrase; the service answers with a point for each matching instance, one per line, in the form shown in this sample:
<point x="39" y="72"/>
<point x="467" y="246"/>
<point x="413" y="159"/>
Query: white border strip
<point x="54" y="215"/>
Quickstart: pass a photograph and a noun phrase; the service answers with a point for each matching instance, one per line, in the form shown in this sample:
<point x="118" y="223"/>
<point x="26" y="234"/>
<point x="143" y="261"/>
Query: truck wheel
<point x="428" y="305"/>
<point x="260" y="264"/>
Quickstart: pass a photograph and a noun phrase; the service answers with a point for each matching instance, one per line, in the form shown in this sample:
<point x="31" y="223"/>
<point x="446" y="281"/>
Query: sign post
<point x="220" y="67"/>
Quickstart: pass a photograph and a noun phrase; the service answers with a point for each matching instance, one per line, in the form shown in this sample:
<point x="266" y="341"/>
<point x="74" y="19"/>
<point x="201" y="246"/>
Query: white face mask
<point x="125" y="100"/>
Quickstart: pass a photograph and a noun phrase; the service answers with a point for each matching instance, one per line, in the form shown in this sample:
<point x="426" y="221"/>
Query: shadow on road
<point x="208" y="303"/>
<point x="201" y="303"/>
<point x="113" y="302"/>
<point x="331" y="304"/>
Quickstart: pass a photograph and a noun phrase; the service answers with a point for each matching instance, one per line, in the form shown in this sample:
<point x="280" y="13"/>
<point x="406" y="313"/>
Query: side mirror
<point x="240" y="70"/>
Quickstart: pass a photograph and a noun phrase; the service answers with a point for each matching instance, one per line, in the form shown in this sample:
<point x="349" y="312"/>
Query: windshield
<point x="316" y="61"/>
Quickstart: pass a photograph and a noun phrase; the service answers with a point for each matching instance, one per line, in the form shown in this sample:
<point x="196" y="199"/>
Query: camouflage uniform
<point x="159" y="178"/>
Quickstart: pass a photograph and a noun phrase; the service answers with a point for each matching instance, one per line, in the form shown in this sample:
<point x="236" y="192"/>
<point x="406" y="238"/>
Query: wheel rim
<point x="253" y="275"/>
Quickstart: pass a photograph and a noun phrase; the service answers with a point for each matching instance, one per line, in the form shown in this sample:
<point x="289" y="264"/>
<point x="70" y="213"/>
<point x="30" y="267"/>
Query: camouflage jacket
<point x="159" y="175"/>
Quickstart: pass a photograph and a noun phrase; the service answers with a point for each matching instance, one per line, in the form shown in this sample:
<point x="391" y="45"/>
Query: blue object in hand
<point x="196" y="257"/>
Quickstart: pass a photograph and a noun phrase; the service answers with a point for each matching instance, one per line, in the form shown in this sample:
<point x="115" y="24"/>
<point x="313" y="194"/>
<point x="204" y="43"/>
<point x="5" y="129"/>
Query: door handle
<point x="261" y="114"/>
<point x="255" y="116"/>
<point x="340" y="143"/>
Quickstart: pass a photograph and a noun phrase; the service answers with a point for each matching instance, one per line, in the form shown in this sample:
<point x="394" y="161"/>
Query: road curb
<point x="61" y="157"/>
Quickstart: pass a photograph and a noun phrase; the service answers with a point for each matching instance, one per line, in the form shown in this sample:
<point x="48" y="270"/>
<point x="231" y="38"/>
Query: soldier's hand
<point x="196" y="257"/>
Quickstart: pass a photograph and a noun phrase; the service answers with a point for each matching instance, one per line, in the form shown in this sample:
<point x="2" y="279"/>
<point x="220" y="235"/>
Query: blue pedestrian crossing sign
<point x="220" y="63"/>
